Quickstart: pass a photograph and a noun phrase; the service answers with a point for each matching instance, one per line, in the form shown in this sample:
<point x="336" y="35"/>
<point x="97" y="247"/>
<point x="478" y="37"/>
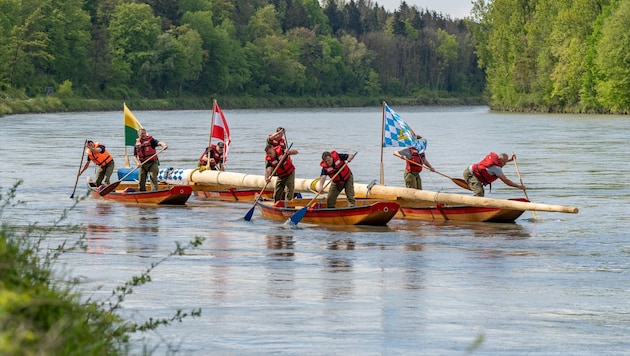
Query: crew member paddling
<point x="487" y="171"/>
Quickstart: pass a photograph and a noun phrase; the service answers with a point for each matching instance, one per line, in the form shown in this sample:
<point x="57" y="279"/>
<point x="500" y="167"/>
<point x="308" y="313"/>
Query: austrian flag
<point x="220" y="129"/>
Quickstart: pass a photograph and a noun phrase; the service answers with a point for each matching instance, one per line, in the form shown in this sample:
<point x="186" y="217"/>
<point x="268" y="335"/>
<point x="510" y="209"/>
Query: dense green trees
<point x="165" y="49"/>
<point x="565" y="55"/>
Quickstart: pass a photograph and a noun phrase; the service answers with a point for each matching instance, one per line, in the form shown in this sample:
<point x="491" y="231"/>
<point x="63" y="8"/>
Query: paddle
<point x="110" y="188"/>
<point x="79" y="172"/>
<point x="519" y="178"/>
<point x="459" y="181"/>
<point x="250" y="213"/>
<point x="299" y="215"/>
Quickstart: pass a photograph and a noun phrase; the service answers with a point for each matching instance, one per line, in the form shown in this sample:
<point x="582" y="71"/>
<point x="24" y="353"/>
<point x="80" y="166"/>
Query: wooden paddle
<point x="110" y="188"/>
<point x="250" y="213"/>
<point x="79" y="172"/>
<point x="299" y="215"/>
<point x="459" y="181"/>
<point x="519" y="178"/>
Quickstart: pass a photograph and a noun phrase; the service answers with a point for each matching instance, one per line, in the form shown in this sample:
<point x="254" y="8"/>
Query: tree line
<point x="179" y="48"/>
<point x="554" y="56"/>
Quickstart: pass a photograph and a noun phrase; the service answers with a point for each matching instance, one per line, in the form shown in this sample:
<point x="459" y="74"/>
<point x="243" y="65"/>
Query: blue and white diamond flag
<point x="396" y="133"/>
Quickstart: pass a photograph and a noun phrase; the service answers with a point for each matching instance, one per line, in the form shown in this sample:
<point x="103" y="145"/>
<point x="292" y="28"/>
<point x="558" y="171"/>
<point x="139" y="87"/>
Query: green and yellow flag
<point x="132" y="125"/>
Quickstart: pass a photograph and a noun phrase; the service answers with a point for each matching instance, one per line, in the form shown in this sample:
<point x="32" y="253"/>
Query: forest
<point x="122" y="49"/>
<point x="555" y="55"/>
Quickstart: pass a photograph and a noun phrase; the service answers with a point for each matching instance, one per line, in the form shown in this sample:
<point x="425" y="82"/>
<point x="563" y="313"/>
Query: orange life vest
<point x="285" y="168"/>
<point x="415" y="157"/>
<point x="100" y="158"/>
<point x="144" y="149"/>
<point x="480" y="169"/>
<point x="337" y="164"/>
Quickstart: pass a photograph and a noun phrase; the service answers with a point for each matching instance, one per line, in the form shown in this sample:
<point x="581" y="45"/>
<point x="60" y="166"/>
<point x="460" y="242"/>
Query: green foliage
<point x="568" y="55"/>
<point x="613" y="60"/>
<point x="43" y="314"/>
<point x="65" y="90"/>
<point x="169" y="49"/>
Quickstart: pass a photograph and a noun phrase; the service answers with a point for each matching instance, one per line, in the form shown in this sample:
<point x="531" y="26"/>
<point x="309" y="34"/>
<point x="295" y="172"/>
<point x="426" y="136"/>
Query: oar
<point x="110" y="188"/>
<point x="462" y="183"/>
<point x="78" y="173"/>
<point x="250" y="213"/>
<point x="519" y="178"/>
<point x="299" y="215"/>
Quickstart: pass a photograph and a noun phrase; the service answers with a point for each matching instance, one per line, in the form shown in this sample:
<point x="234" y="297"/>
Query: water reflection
<point x="220" y="246"/>
<point x="338" y="279"/>
<point x="413" y="266"/>
<point x="281" y="275"/>
<point x="507" y="231"/>
<point x="283" y="245"/>
<point x="144" y="229"/>
<point x="98" y="228"/>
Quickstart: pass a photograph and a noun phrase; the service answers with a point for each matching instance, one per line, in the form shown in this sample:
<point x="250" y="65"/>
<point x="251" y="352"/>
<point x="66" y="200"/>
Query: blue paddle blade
<point x="297" y="217"/>
<point x="249" y="214"/>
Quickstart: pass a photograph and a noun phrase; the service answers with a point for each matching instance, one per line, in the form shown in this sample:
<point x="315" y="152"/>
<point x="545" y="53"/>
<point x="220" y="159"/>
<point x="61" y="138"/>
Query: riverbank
<point x="55" y="104"/>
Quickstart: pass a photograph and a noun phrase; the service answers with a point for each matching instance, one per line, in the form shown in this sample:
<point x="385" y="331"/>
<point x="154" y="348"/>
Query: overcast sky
<point x="455" y="8"/>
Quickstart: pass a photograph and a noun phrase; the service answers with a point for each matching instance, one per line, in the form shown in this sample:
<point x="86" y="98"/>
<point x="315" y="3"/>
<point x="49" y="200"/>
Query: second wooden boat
<point x="449" y="212"/>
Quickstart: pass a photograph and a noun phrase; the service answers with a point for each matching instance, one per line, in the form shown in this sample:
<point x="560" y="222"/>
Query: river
<point x="553" y="284"/>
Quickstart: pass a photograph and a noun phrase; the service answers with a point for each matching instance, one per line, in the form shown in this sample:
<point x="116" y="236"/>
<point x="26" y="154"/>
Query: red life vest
<point x="144" y="149"/>
<point x="214" y="153"/>
<point x="337" y="164"/>
<point x="100" y="158"/>
<point x="277" y="142"/>
<point x="415" y="157"/>
<point x="285" y="168"/>
<point x="480" y="169"/>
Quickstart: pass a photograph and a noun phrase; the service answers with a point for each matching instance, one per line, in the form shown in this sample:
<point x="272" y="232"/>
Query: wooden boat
<point x="367" y="212"/>
<point x="175" y="195"/>
<point x="227" y="193"/>
<point x="468" y="213"/>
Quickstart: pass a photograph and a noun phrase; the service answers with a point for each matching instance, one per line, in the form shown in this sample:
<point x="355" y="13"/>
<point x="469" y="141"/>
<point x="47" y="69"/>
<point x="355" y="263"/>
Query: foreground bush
<point x="43" y="314"/>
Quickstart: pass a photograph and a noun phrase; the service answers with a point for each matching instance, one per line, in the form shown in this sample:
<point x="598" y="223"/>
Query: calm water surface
<point x="554" y="284"/>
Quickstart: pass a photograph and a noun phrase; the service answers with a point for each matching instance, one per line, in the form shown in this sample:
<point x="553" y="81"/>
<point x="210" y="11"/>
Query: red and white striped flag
<point x="220" y="130"/>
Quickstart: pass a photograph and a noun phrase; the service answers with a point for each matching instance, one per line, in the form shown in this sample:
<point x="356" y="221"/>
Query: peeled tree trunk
<point x="244" y="181"/>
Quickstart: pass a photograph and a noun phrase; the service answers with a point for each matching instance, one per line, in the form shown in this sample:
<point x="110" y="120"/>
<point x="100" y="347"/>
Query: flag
<point x="132" y="125"/>
<point x="220" y="130"/>
<point x="396" y="133"/>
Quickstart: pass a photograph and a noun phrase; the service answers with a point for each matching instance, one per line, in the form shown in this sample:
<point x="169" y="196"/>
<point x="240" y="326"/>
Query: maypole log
<point x="407" y="195"/>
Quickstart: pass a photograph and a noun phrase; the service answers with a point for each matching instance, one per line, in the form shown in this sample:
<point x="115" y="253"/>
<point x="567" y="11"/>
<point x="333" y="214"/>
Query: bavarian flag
<point x="396" y="132"/>
<point x="132" y="125"/>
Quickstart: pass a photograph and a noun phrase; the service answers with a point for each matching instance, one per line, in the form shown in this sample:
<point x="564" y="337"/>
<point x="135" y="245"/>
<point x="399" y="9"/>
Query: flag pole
<point x="127" y="165"/>
<point x="382" y="182"/>
<point x="214" y="106"/>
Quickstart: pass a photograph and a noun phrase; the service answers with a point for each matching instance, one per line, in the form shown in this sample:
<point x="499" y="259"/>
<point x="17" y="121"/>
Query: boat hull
<point x="467" y="213"/>
<point x="377" y="213"/>
<point x="176" y="195"/>
<point x="230" y="193"/>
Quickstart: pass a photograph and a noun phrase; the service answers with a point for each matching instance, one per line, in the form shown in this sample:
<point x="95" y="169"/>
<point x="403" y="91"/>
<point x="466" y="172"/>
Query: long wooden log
<point x="244" y="181"/>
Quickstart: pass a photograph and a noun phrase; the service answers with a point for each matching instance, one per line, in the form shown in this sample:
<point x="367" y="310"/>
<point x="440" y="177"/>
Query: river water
<point x="551" y="284"/>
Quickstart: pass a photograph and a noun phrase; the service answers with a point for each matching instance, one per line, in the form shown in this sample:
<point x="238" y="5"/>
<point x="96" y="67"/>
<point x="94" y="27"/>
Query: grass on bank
<point x="44" y="314"/>
<point x="12" y="106"/>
